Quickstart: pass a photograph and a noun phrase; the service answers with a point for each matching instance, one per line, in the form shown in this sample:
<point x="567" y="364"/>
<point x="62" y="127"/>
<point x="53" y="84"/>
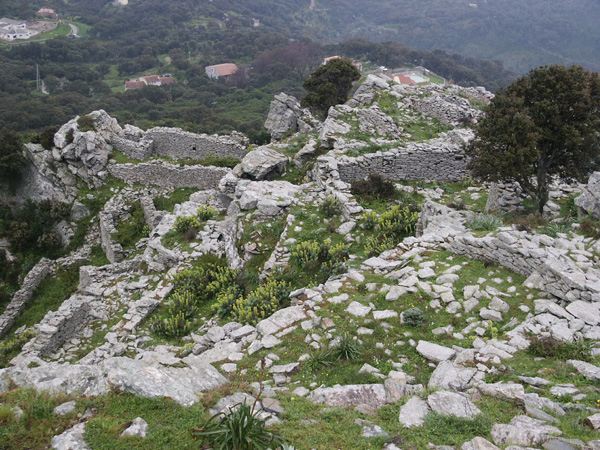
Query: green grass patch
<point x="130" y="231"/>
<point x="178" y="196"/>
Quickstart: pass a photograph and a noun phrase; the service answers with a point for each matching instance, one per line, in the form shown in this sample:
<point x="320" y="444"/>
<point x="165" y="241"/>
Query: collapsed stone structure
<point x="563" y="284"/>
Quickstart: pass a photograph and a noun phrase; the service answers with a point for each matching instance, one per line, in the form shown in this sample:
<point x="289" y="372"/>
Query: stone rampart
<point x="166" y="175"/>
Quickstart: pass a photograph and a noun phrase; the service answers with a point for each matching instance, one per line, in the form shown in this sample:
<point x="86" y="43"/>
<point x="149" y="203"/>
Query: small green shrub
<point x="394" y="224"/>
<point x="569" y="210"/>
<point x="369" y="220"/>
<point x="552" y="229"/>
<point x="590" y="228"/>
<point x="172" y="326"/>
<point x="7" y="414"/>
<point x="483" y="222"/>
<point x="306" y="253"/>
<point x="550" y="347"/>
<point x="239" y="429"/>
<point x="413" y="317"/>
<point x="529" y="222"/>
<point x="374" y="187"/>
<point x="330" y="207"/>
<point x="206" y="213"/>
<point x="262" y="302"/>
<point x="184" y="223"/>
<point x="318" y="360"/>
<point x="347" y="349"/>
<point x="86" y="123"/>
<point x="45" y="138"/>
<point x="226" y="300"/>
<point x="132" y="230"/>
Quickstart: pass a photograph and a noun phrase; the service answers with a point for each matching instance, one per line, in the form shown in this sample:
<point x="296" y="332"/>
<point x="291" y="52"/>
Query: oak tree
<point x="544" y="125"/>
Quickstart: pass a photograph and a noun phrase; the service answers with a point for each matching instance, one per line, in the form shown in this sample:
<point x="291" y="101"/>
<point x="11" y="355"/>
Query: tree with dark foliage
<point x="544" y="125"/>
<point x="11" y="156"/>
<point x="329" y="84"/>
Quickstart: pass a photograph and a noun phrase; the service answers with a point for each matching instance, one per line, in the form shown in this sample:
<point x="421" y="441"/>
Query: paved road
<point x="74" y="29"/>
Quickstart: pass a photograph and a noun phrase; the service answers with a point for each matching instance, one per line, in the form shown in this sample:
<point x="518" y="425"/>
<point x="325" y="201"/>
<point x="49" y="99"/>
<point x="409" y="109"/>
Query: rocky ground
<point x="448" y="335"/>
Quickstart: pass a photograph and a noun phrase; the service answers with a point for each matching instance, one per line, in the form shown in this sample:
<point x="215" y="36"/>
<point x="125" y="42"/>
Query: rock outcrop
<point x="286" y="116"/>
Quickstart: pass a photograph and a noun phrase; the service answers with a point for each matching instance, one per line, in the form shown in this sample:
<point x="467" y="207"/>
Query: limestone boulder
<point x="413" y="412"/>
<point x="287" y="116"/>
<point x="451" y="376"/>
<point x="71" y="439"/>
<point x="452" y="404"/>
<point x="260" y="164"/>
<point x="435" y="352"/>
<point x="589" y="201"/>
<point x="182" y="384"/>
<point x="372" y="395"/>
<point x="523" y="430"/>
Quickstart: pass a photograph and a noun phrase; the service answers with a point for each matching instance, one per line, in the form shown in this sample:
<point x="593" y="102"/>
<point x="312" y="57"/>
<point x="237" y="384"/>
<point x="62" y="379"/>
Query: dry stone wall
<point x="434" y="160"/>
<point x="166" y="175"/>
<point x="36" y="275"/>
<point x="178" y="144"/>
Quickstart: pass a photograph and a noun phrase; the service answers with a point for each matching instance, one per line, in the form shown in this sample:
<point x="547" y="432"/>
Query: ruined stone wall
<point x="559" y="275"/>
<point x="36" y="275"/>
<point x="418" y="162"/>
<point x="178" y="144"/>
<point x="163" y="174"/>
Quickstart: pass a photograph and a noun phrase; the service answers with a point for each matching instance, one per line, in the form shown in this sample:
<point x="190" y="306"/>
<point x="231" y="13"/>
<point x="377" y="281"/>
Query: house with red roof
<point x="221" y="70"/>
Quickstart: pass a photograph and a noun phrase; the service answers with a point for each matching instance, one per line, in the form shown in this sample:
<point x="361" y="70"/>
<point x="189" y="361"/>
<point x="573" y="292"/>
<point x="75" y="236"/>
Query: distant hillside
<point x="522" y="34"/>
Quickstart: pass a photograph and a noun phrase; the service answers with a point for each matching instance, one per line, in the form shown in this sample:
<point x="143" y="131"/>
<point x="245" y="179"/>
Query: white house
<point x="221" y="70"/>
<point x="14" y="29"/>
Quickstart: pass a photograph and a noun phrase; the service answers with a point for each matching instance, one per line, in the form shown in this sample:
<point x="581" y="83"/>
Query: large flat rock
<point x="452" y="404"/>
<point x="355" y="394"/>
<point x="435" y="352"/>
<point x="182" y="384"/>
<point x="281" y="319"/>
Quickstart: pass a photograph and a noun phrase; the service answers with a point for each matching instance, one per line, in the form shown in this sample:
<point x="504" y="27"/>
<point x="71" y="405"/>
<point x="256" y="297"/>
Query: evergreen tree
<point x="11" y="156"/>
<point x="329" y="84"/>
<point x="544" y="125"/>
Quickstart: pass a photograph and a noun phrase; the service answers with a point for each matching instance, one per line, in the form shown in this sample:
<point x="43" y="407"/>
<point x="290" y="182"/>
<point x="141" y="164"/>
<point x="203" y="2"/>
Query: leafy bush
<point x="413" y="317"/>
<point x="240" y="428"/>
<point x="45" y="138"/>
<point x="374" y="187"/>
<point x="86" y="123"/>
<point x="184" y="223"/>
<point x="9" y="347"/>
<point x="330" y="206"/>
<point x="529" y="222"/>
<point x="483" y="222"/>
<point x="369" y="220"/>
<point x="306" y="253"/>
<point x="347" y="349"/>
<point x="396" y="223"/>
<point x="172" y="326"/>
<point x="206" y="213"/>
<point x="262" y="302"/>
<point x="550" y="347"/>
<point x="226" y="300"/>
<point x="192" y="288"/>
<point x="590" y="228"/>
<point x="569" y="210"/>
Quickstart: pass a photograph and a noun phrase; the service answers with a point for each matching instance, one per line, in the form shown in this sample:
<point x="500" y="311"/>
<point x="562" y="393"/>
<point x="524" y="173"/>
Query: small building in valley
<point x="149" y="80"/>
<point x="14" y="29"/>
<point x="48" y="13"/>
<point x="221" y="70"/>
